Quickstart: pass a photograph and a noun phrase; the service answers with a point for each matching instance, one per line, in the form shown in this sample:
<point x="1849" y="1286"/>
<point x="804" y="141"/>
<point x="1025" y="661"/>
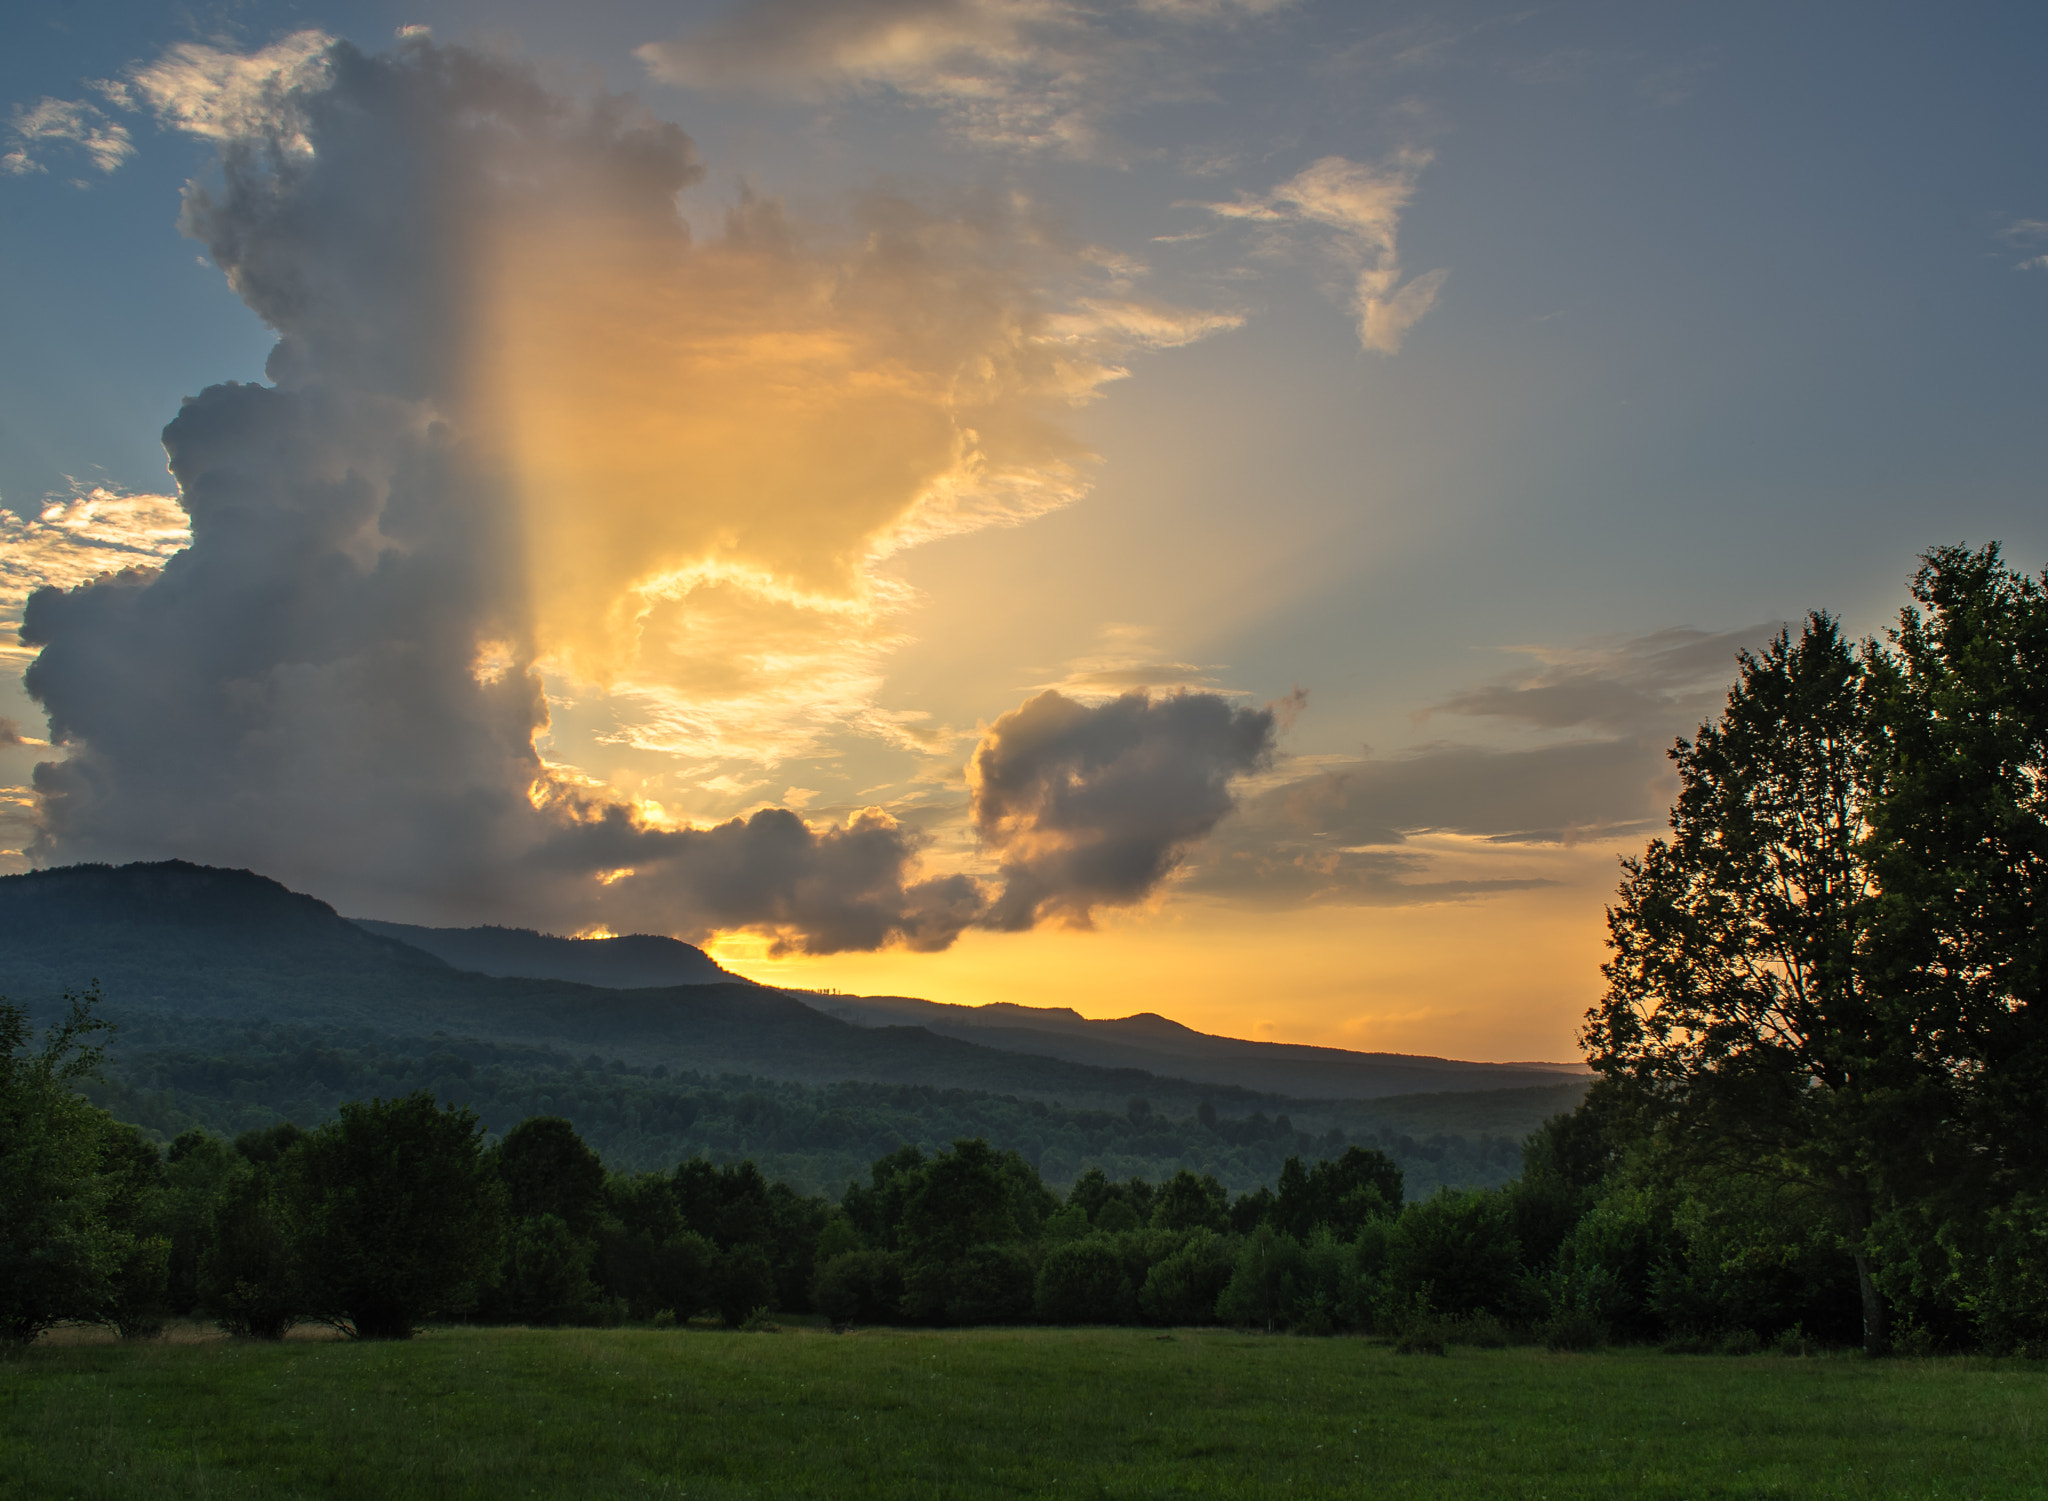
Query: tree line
<point x="400" y="1212"/>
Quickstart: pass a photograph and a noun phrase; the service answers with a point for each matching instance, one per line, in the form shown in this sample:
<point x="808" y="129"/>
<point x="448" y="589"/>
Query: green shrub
<point x="858" y="1287"/>
<point x="1461" y="1247"/>
<point x="990" y="1285"/>
<point x="247" y="1277"/>
<point x="1084" y="1282"/>
<point x="743" y="1281"/>
<point x="1266" y="1283"/>
<point x="1574" y="1330"/>
<point x="1183" y="1288"/>
<point x="547" y="1275"/>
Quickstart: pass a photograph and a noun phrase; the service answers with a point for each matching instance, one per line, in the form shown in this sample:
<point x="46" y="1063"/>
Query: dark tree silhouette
<point x="394" y="1214"/>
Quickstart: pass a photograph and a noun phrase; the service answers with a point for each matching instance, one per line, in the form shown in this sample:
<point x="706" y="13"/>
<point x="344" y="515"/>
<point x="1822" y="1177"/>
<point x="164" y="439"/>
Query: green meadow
<point x="464" y="1412"/>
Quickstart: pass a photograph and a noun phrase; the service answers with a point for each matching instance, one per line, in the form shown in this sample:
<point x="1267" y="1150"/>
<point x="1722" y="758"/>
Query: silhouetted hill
<point x="180" y="939"/>
<point x="174" y="939"/>
<point x="632" y="961"/>
<point x="1161" y="1046"/>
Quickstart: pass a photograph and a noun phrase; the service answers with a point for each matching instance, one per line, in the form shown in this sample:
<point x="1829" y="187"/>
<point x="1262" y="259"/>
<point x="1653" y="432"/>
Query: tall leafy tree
<point x="1961" y="851"/>
<point x="393" y="1214"/>
<point x="1962" y="840"/>
<point x="61" y="1256"/>
<point x="547" y="1169"/>
<point x="1740" y="1008"/>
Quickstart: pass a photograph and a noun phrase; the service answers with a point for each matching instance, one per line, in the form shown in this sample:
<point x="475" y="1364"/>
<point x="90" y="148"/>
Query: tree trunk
<point x="1876" y="1336"/>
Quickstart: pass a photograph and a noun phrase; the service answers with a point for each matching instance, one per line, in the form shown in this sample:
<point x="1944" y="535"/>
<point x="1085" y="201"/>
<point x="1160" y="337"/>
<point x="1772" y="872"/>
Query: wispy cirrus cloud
<point x="2030" y="235"/>
<point x="1041" y="75"/>
<point x="32" y="129"/>
<point x="1358" y="207"/>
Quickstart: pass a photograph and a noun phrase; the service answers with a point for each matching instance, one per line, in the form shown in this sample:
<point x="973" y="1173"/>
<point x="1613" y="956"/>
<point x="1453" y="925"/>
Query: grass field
<point x="1093" y="1413"/>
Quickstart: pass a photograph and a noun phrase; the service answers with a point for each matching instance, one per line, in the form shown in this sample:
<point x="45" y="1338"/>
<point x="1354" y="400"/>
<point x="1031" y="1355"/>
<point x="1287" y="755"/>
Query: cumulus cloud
<point x="1022" y="74"/>
<point x="525" y="426"/>
<point x="1090" y="807"/>
<point x="33" y="128"/>
<point x="1359" y="205"/>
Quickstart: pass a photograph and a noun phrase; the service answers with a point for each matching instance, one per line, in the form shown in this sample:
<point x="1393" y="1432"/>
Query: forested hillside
<point x="168" y="1075"/>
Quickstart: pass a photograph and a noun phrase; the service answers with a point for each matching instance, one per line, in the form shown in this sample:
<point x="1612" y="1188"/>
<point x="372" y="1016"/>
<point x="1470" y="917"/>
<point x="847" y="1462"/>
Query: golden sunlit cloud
<point x="717" y="445"/>
<point x="67" y="541"/>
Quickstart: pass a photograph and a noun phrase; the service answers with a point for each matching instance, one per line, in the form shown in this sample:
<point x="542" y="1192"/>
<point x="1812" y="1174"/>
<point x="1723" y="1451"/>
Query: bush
<point x="1183" y="1288"/>
<point x="990" y="1285"/>
<point x="1482" y="1331"/>
<point x="1083" y="1282"/>
<point x="1461" y="1248"/>
<point x="547" y="1275"/>
<point x="743" y="1281"/>
<point x="682" y="1273"/>
<point x="1574" y="1330"/>
<point x="1266" y="1282"/>
<point x="1618" y="1257"/>
<point x="858" y="1287"/>
<point x="247" y="1278"/>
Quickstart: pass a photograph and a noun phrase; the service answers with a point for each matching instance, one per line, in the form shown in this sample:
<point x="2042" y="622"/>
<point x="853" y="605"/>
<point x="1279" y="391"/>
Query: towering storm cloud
<point x="528" y="436"/>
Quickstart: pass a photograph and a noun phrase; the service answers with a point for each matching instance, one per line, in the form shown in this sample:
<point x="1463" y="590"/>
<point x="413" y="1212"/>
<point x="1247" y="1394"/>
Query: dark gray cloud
<point x="1665" y="680"/>
<point x="1337" y="832"/>
<point x="1095" y="806"/>
<point x="822" y="891"/>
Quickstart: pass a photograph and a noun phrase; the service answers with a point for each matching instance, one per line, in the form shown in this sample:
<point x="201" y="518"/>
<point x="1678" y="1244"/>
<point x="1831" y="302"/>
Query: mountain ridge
<point x="171" y="936"/>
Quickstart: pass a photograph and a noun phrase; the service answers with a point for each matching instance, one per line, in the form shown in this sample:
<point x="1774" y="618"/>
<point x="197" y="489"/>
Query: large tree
<point x="1832" y="970"/>
<point x="1961" y="851"/>
<point x="1960" y="847"/>
<point x="393" y="1215"/>
<point x="60" y="1253"/>
<point x="1739" y="1010"/>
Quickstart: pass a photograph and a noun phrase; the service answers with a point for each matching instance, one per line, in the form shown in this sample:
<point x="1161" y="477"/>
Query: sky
<point x="1215" y="507"/>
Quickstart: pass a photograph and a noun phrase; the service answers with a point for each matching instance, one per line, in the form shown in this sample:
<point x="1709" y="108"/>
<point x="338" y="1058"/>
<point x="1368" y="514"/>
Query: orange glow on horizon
<point x="1371" y="979"/>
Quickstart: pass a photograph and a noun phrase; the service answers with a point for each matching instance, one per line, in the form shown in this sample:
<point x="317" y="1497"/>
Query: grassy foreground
<point x="1117" y="1413"/>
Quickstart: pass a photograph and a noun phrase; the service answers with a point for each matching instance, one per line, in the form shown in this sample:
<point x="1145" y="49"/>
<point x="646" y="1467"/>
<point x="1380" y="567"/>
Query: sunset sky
<point x="1206" y="506"/>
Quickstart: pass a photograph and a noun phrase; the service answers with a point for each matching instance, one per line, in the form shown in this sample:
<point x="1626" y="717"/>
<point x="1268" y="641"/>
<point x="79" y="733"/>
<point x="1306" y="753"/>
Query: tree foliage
<point x="61" y="1250"/>
<point x="1828" y="973"/>
<point x="395" y="1215"/>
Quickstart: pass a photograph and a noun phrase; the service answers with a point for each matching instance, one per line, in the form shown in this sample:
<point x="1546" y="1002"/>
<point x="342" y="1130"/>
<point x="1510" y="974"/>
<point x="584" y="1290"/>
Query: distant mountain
<point x="173" y="939"/>
<point x="1160" y="1046"/>
<point x="633" y="961"/>
<point x="179" y="939"/>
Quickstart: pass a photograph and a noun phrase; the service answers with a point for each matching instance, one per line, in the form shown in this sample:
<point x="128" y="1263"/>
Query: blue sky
<point x="1740" y="308"/>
